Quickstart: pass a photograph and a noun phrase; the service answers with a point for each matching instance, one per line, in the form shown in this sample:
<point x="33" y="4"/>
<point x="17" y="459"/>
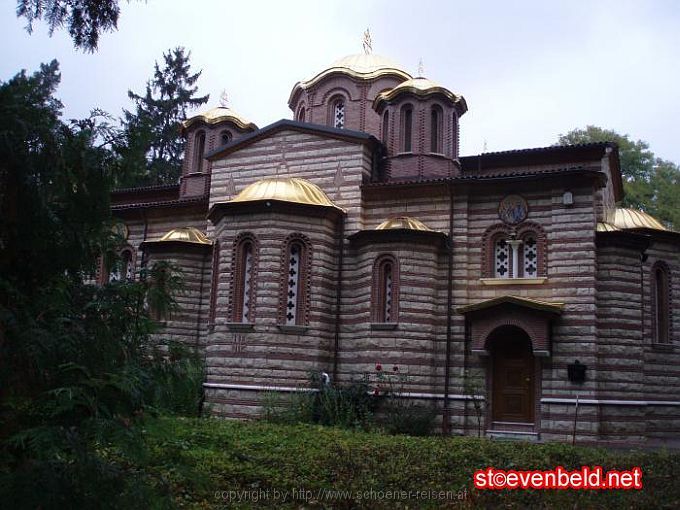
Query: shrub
<point x="176" y="385"/>
<point x="400" y="414"/>
<point x="350" y="406"/>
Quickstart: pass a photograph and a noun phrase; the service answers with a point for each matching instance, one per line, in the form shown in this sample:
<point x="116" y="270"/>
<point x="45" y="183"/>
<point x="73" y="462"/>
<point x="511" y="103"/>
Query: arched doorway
<point x="512" y="378"/>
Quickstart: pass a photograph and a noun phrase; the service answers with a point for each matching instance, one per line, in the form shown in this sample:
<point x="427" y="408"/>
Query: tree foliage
<point x="77" y="365"/>
<point x="84" y="19"/>
<point x="153" y="145"/>
<point x="650" y="183"/>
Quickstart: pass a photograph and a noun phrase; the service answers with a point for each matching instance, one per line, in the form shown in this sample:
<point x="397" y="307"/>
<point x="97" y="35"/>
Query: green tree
<point x="77" y="367"/>
<point x="650" y="183"/>
<point x="153" y="146"/>
<point x="84" y="19"/>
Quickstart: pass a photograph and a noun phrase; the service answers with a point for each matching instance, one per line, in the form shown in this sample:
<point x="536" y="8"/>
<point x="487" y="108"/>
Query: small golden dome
<point x="359" y="65"/>
<point x="285" y="189"/>
<point x="606" y="227"/>
<point x="217" y="115"/>
<point x="185" y="235"/>
<point x="421" y="87"/>
<point x="625" y="219"/>
<point x="403" y="222"/>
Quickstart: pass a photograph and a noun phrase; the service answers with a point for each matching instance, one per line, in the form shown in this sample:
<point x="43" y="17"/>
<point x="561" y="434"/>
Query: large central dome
<point x="360" y="65"/>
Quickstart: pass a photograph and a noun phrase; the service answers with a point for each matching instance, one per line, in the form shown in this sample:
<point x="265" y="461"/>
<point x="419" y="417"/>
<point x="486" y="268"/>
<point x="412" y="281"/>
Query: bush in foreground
<point x="211" y="462"/>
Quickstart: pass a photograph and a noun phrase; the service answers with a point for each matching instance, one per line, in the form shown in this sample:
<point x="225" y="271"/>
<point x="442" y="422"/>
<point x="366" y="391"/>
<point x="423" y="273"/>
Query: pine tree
<point x="153" y="148"/>
<point x="84" y="19"/>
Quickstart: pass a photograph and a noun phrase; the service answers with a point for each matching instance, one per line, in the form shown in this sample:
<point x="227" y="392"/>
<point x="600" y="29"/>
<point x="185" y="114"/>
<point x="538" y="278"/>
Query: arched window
<point x="406" y="128"/>
<point x="124" y="267"/>
<point x="661" y="303"/>
<point x="514" y="254"/>
<point x="199" y="149"/>
<point x="385" y="126"/>
<point x="338" y="112"/>
<point x="214" y="281"/>
<point x="501" y="258"/>
<point x="295" y="278"/>
<point x="436" y="117"/>
<point x="225" y="137"/>
<point x="243" y="284"/>
<point x="301" y="114"/>
<point x="385" y="300"/>
<point x="454" y="134"/>
<point x="529" y="255"/>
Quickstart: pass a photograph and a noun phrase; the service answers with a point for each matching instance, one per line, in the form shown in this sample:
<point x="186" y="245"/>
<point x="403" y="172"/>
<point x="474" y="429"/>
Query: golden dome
<point x="625" y="219"/>
<point x="360" y="65"/>
<point x="404" y="222"/>
<point x="606" y="227"/>
<point x="217" y="115"/>
<point x="421" y="87"/>
<point x="285" y="189"/>
<point x="185" y="235"/>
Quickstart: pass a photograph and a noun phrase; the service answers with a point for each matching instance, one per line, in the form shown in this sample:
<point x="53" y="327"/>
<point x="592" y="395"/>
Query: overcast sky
<point x="528" y="70"/>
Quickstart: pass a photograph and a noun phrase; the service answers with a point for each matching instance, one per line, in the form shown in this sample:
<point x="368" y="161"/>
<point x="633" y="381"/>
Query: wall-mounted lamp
<point x="577" y="372"/>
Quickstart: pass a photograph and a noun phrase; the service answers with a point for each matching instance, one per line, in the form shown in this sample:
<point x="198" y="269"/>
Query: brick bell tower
<point x="204" y="133"/>
<point x="420" y="129"/>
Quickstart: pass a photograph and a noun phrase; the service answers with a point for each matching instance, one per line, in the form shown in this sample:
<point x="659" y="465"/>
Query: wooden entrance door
<point x="513" y="380"/>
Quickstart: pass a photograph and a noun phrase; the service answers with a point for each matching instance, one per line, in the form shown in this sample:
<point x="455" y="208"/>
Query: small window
<point x="530" y="256"/>
<point x="436" y="117"/>
<point x="454" y="132"/>
<point x="385" y="126"/>
<point x="294" y="302"/>
<point x="295" y="253"/>
<point x="199" y="150"/>
<point x="661" y="303"/>
<point x="385" y="290"/>
<point x="339" y="114"/>
<point x="243" y="300"/>
<point x="225" y="137"/>
<point x="301" y="114"/>
<point x="406" y="128"/>
<point x="501" y="258"/>
<point x="215" y="281"/>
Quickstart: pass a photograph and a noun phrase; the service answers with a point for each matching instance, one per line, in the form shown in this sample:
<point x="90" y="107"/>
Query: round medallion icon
<point x="513" y="209"/>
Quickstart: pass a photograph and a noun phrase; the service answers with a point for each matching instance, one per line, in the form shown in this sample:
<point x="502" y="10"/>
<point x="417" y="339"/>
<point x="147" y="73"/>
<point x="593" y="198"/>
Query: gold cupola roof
<point x="403" y="222"/>
<point x="217" y="115"/>
<point x="360" y="65"/>
<point x="422" y="87"/>
<point x="629" y="219"/>
<point x="185" y="235"/>
<point x="285" y="189"/>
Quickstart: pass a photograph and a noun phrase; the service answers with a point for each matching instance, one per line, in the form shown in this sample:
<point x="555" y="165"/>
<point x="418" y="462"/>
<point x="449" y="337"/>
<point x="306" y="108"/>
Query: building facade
<point x="356" y="234"/>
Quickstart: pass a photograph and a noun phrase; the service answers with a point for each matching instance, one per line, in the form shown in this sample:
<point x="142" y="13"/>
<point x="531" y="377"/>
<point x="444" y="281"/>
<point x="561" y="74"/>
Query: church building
<point x="357" y="234"/>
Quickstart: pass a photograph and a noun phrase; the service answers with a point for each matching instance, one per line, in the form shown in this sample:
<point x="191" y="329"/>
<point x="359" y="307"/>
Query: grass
<point x="209" y="463"/>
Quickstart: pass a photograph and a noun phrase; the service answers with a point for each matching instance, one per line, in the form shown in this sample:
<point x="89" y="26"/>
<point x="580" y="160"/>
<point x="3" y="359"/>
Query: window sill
<point x="292" y="330"/>
<point x="663" y="347"/>
<point x="240" y="326"/>
<point x="512" y="281"/>
<point x="384" y="326"/>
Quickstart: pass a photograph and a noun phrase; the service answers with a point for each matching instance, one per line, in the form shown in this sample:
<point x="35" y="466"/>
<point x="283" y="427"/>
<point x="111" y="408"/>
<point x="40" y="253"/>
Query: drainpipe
<point x="449" y="319"/>
<point x="338" y="295"/>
